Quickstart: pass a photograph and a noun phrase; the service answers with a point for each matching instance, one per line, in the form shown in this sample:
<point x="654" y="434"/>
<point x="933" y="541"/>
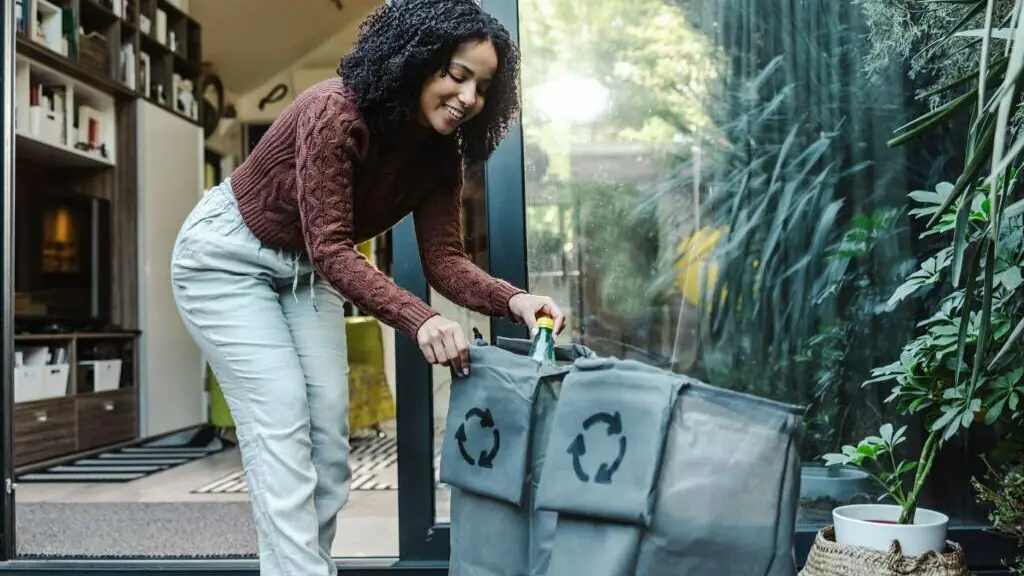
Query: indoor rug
<point x="136" y="529"/>
<point x="374" y="461"/>
<point x="124" y="464"/>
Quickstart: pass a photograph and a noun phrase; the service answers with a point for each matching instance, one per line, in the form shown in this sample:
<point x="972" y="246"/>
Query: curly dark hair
<point x="402" y="43"/>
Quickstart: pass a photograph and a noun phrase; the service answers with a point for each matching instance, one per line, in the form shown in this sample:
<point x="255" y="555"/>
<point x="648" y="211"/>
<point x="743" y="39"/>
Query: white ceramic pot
<point x="874" y="526"/>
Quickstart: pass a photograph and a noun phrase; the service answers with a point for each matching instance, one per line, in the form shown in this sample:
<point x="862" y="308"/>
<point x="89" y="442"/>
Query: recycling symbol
<point x="487" y="457"/>
<point x="579" y="447"/>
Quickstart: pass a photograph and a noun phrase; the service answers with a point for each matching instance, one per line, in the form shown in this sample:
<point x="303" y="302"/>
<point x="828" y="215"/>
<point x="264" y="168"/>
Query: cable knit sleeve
<point x="438" y="221"/>
<point x="328" y="143"/>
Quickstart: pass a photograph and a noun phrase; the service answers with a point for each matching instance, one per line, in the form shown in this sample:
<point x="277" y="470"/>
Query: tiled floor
<point x="368" y="526"/>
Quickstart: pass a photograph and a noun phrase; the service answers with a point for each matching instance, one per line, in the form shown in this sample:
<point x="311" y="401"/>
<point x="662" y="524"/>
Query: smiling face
<point x="456" y="94"/>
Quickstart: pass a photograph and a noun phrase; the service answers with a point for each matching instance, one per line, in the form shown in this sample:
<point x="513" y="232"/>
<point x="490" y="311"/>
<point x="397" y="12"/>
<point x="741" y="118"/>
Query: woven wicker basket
<point x="827" y="558"/>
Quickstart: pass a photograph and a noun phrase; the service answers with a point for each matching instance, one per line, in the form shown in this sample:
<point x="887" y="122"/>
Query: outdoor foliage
<point x="1003" y="489"/>
<point x="965" y="366"/>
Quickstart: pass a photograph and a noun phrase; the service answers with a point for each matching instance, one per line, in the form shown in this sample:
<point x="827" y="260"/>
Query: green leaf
<point x="949" y="414"/>
<point x="965" y="420"/>
<point x="927" y="197"/>
<point x="886" y="432"/>
<point x="944" y="189"/>
<point x="905" y="467"/>
<point x="867" y="450"/>
<point x="928" y="121"/>
<point x="1005" y="96"/>
<point x="951" y="429"/>
<point x="1001" y="329"/>
<point x="986" y="34"/>
<point x="959" y="242"/>
<point x="986" y="312"/>
<point x="965" y="313"/>
<point x="835" y="459"/>
<point x="904" y="290"/>
<point x="1010" y="278"/>
<point x="1018" y="331"/>
<point x="953" y="393"/>
<point x="995" y="411"/>
<point x="971" y="172"/>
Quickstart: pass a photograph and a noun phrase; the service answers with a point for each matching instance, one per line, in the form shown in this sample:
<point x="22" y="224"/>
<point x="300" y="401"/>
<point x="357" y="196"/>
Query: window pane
<point x="734" y="152"/>
<point x="474" y="232"/>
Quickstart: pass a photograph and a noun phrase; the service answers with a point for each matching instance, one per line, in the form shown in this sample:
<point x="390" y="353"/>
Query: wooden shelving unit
<point x="95" y="401"/>
<point x="130" y="48"/>
<point x="170" y="53"/>
<point x="61" y="120"/>
<point x="79" y="75"/>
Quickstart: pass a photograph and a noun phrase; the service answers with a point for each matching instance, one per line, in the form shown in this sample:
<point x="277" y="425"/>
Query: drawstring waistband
<point x="294" y="263"/>
<point x="292" y="258"/>
<point x="312" y="290"/>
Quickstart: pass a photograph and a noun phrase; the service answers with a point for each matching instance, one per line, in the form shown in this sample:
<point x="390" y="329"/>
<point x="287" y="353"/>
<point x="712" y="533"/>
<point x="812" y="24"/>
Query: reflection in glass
<point x="709" y="189"/>
<point x="474" y="232"/>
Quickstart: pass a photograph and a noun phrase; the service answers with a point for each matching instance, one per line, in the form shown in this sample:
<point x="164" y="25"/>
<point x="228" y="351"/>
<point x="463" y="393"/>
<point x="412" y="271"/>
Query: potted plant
<point x="877" y="525"/>
<point x="936" y="379"/>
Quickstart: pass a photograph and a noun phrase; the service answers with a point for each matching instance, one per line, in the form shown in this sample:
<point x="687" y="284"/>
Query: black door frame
<point x="7" y="54"/>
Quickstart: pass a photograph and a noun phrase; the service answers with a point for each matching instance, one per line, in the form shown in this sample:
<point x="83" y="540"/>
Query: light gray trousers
<point x="274" y="336"/>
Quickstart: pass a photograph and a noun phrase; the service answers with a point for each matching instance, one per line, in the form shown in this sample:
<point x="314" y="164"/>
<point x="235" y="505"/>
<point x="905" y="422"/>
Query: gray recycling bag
<point x="622" y="469"/>
<point x="501" y="414"/>
<point x="729" y="486"/>
<point x="493" y="538"/>
<point x="603" y="460"/>
<point x="488" y="425"/>
<point x="605" y="448"/>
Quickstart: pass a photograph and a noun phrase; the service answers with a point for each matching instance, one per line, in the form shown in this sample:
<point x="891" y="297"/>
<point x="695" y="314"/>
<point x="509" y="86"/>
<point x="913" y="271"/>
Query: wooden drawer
<point x="106" y="418"/>
<point x="43" y="430"/>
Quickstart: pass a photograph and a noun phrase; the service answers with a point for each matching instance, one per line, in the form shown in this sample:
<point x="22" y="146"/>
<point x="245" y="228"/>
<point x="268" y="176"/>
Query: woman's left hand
<point x="526" y="307"/>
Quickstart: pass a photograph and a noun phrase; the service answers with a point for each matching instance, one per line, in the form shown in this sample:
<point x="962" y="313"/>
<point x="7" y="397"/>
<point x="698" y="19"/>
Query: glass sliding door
<point x="681" y="154"/>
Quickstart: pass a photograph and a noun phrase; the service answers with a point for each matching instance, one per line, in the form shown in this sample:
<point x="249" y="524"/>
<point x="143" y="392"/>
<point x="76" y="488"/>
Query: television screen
<point x="62" y="257"/>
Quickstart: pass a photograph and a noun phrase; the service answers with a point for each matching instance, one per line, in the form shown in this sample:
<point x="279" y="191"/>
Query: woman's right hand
<point x="443" y="342"/>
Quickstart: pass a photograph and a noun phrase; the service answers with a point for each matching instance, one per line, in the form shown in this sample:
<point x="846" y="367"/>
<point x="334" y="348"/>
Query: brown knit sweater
<point x="318" y="181"/>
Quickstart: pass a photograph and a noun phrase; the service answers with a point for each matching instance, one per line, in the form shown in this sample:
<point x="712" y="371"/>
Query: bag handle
<point x="521" y="346"/>
<point x="563" y="352"/>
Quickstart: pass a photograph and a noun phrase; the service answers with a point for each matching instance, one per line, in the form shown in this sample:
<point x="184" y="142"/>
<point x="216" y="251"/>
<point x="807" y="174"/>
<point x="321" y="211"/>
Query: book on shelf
<point x="129" y="71"/>
<point x="47" y="107"/>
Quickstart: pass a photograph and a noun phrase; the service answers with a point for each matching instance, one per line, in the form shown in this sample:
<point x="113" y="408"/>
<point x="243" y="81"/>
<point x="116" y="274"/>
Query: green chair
<point x="370" y="398"/>
<point x="220" y="415"/>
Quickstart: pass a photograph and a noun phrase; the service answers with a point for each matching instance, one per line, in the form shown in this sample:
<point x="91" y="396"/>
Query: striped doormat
<point x="374" y="461"/>
<point x="121" y="465"/>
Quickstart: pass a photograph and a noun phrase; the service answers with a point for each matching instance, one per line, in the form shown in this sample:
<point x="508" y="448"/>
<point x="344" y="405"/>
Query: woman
<point x="262" y="264"/>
